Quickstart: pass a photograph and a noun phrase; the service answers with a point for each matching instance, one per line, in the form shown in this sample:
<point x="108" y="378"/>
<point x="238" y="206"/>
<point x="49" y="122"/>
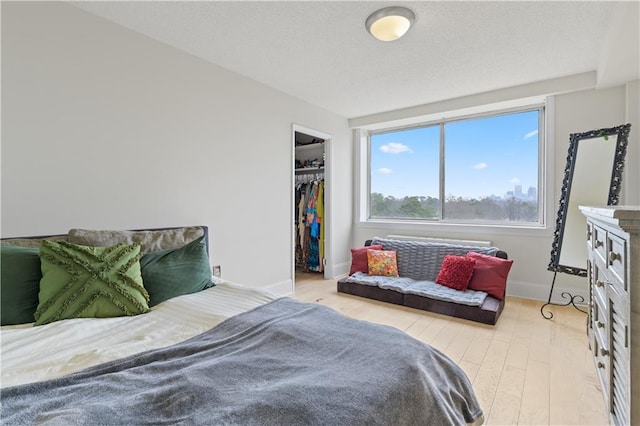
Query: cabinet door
<point x="599" y="241"/>
<point x="617" y="260"/>
<point x="590" y="313"/>
<point x="618" y="353"/>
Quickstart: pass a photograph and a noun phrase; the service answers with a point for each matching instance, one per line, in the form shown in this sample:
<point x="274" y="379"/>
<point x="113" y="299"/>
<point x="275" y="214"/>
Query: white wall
<point x="574" y="112"/>
<point x="580" y="112"/>
<point x="104" y="128"/>
<point x="631" y="184"/>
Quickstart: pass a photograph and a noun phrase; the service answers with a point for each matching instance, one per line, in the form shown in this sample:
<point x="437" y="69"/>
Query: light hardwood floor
<point x="525" y="370"/>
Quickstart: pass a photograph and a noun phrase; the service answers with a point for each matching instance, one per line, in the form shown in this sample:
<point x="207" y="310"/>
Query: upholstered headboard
<point x="49" y="278"/>
<point x="151" y="239"/>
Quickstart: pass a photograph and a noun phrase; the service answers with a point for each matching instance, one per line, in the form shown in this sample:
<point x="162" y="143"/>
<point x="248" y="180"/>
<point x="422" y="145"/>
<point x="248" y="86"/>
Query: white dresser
<point x="613" y="241"/>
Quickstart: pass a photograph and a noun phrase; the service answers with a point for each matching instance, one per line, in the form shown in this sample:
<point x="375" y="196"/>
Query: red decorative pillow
<point x="359" y="261"/>
<point x="456" y="272"/>
<point x="490" y="274"/>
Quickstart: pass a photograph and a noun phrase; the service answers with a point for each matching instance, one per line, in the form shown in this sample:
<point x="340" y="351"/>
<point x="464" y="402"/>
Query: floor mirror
<point x="592" y="176"/>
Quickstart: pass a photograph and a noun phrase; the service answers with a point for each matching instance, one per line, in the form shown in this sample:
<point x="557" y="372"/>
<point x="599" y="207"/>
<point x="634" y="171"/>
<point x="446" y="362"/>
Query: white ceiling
<point x="320" y="51"/>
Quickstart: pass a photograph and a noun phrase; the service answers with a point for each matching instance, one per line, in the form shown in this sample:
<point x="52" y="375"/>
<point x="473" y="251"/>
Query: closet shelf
<point x="310" y="146"/>
<point x="309" y="170"/>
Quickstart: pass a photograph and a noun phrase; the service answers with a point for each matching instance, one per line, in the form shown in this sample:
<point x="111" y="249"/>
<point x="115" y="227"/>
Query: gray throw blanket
<point x="283" y="363"/>
<point x="422" y="261"/>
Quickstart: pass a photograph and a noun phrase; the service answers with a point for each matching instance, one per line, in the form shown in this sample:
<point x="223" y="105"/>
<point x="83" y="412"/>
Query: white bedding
<point x="31" y="354"/>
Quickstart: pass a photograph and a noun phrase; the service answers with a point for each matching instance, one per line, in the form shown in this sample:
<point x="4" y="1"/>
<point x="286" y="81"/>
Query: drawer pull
<point x="613" y="256"/>
<point x="599" y="243"/>
<point x="588" y="234"/>
<point x="601" y="364"/>
<point x="604" y="352"/>
<point x="599" y="283"/>
<point x="626" y="336"/>
<point x="600" y="324"/>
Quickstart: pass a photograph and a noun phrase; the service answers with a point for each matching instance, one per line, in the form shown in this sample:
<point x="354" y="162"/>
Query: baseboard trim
<point x="283" y="288"/>
<point x="340" y="270"/>
<point x="535" y="291"/>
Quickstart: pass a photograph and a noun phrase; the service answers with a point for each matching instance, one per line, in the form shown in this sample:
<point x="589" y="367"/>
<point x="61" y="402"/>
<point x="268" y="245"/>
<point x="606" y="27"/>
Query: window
<point x="473" y="170"/>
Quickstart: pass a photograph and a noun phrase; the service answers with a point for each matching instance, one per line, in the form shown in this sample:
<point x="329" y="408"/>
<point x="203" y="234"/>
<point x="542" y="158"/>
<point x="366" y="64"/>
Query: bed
<point x="221" y="354"/>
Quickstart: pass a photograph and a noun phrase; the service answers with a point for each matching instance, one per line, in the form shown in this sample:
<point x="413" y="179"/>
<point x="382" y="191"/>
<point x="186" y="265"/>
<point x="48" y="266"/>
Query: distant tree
<point x="379" y="205"/>
<point x="412" y="207"/>
<point x="426" y="207"/>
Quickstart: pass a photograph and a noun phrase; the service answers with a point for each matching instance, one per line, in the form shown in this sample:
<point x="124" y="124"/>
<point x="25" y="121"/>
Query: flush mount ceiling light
<point x="390" y="23"/>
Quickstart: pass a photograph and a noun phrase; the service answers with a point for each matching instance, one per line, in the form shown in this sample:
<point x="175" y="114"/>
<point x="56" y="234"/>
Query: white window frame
<point x="546" y="181"/>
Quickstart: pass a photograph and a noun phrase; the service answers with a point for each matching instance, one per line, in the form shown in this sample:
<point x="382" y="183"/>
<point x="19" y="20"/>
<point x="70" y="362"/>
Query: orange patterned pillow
<point x="382" y="262"/>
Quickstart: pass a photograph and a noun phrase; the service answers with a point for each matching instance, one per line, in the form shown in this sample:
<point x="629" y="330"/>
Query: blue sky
<point x="483" y="156"/>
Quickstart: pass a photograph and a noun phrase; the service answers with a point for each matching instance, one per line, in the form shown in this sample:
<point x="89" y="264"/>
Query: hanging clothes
<point x="320" y="220"/>
<point x="309" y="229"/>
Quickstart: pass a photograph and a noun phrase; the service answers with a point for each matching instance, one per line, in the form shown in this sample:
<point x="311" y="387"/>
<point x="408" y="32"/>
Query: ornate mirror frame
<point x="622" y="133"/>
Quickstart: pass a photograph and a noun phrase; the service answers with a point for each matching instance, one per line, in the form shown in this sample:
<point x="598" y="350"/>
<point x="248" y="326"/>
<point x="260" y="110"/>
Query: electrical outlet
<point x="217" y="271"/>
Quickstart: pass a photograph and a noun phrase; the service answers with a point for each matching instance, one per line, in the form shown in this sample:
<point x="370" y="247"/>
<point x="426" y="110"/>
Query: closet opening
<point x="310" y="207"/>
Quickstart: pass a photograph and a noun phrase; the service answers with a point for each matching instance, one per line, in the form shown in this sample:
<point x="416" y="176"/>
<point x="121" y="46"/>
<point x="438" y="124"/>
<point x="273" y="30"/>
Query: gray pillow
<point x="31" y="242"/>
<point x="149" y="240"/>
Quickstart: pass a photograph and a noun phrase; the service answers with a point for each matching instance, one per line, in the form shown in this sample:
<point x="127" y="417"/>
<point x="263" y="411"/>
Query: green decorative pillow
<point x="174" y="272"/>
<point x="89" y="282"/>
<point x="19" y="282"/>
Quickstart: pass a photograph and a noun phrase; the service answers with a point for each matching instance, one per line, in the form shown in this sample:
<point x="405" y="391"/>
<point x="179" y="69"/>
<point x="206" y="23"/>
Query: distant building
<point x="517" y="193"/>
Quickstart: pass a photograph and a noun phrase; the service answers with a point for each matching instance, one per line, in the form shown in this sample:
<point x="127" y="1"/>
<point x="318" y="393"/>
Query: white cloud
<point x="514" y="181"/>
<point x="481" y="166"/>
<point x="385" y="171"/>
<point x="531" y="134"/>
<point x="395" y="148"/>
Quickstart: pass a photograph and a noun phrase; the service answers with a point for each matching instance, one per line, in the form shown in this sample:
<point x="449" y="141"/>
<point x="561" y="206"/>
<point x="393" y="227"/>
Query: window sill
<point x="462" y="228"/>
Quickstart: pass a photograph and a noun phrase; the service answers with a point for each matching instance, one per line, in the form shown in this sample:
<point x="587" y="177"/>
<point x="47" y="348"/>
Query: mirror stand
<point x="573" y="299"/>
<point x="592" y="176"/>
